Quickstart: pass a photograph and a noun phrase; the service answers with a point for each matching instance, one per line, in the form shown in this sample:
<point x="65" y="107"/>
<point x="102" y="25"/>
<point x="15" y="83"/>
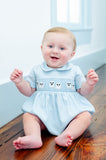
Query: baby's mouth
<point x="54" y="58"/>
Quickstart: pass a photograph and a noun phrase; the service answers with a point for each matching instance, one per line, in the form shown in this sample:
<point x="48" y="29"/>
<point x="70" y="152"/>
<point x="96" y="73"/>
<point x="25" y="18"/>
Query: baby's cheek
<point x="65" y="59"/>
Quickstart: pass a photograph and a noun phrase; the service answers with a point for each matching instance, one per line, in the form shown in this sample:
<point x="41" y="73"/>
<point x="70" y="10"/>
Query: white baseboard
<point x="10" y="102"/>
<point x="93" y="60"/>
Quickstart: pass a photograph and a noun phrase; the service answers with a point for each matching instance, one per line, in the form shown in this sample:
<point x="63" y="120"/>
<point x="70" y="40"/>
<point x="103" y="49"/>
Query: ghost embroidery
<point x="51" y="84"/>
<point x="41" y="85"/>
<point x="58" y="85"/>
<point x="68" y="84"/>
<point x="73" y="86"/>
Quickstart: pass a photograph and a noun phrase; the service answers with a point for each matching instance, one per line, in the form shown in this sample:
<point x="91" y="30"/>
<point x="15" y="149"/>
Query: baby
<point x="55" y="90"/>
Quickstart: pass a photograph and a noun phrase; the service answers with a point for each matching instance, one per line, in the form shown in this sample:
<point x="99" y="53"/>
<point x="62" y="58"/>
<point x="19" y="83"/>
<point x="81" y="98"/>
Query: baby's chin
<point x="55" y="66"/>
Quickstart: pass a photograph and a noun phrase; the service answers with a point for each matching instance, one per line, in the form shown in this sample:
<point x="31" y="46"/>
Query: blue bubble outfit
<point x="56" y="101"/>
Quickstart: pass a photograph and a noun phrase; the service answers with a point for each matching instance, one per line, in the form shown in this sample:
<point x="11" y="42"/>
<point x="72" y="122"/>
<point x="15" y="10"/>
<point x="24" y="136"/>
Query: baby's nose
<point x="56" y="50"/>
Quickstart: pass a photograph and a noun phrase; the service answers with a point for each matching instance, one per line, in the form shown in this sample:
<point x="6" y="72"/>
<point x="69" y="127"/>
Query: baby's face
<point x="57" y="49"/>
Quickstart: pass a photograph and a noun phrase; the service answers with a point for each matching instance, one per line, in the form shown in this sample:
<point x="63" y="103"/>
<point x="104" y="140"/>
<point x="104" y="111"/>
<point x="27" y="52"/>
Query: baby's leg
<point x="32" y="129"/>
<point x="75" y="128"/>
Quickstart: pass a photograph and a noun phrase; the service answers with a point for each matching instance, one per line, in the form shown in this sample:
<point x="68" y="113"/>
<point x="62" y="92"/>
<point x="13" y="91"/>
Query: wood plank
<point x="11" y="124"/>
<point x="10" y="130"/>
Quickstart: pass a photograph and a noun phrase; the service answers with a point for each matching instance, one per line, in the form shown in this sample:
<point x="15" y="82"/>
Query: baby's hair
<point x="61" y="30"/>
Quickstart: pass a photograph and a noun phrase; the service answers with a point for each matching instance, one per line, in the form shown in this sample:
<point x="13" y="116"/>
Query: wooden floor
<point x="90" y="146"/>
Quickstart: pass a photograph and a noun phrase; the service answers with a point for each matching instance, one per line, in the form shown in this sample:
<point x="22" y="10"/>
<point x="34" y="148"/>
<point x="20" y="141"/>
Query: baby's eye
<point x="62" y="48"/>
<point x="50" y="46"/>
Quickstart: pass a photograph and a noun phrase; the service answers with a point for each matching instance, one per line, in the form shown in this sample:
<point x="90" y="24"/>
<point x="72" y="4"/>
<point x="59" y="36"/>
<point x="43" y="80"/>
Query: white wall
<point x="22" y="24"/>
<point x="98" y="40"/>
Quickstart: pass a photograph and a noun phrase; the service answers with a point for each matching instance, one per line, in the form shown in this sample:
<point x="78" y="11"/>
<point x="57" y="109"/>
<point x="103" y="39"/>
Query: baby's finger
<point x="92" y="73"/>
<point x="12" y="77"/>
<point x="17" y="72"/>
<point x="95" y="79"/>
<point x="91" y="70"/>
<point x="15" y="75"/>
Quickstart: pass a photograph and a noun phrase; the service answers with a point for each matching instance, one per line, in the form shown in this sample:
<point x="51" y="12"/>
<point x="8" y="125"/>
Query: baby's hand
<point x="92" y="77"/>
<point x="16" y="76"/>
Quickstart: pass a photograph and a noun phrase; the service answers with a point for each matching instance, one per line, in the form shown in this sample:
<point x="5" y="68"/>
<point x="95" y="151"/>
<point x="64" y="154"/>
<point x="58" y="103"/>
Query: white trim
<point x="93" y="59"/>
<point x="86" y="11"/>
<point x="82" y="30"/>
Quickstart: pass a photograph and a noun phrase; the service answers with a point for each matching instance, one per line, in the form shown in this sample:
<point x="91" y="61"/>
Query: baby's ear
<point x="72" y="54"/>
<point x="41" y="47"/>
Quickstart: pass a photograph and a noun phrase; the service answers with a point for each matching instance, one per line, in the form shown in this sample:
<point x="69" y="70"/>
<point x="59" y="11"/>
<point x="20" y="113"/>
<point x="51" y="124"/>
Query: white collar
<point x="67" y="66"/>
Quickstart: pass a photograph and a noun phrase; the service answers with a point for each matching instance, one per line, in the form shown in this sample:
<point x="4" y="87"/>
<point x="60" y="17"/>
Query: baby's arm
<point x="88" y="85"/>
<point x="21" y="84"/>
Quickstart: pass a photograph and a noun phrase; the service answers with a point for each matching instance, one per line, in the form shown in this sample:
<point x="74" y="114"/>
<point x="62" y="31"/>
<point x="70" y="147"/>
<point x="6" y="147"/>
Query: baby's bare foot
<point x="64" y="140"/>
<point x="27" y="142"/>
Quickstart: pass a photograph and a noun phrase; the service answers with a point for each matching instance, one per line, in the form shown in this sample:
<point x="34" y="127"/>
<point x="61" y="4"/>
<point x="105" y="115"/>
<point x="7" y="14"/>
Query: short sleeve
<point x="31" y="78"/>
<point x="79" y="78"/>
